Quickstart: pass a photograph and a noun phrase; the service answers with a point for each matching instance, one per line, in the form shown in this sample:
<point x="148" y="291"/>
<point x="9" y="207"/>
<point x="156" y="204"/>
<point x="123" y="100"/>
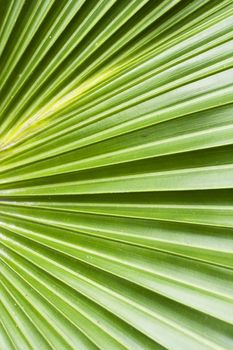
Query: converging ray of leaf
<point x="116" y="174"/>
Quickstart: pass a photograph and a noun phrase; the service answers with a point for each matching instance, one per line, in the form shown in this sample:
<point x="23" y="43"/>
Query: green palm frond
<point x="116" y="174"/>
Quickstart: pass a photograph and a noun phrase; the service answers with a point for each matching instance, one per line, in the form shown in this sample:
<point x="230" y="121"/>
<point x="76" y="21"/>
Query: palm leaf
<point x="116" y="174"/>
